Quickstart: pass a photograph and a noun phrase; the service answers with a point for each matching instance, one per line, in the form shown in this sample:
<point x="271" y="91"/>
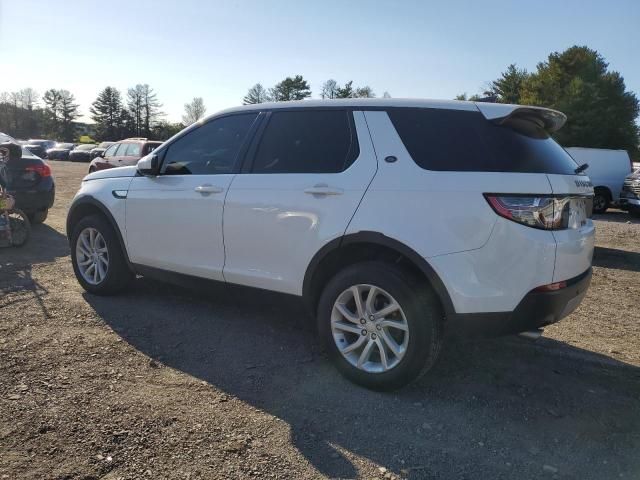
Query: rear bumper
<point x="535" y="310"/>
<point x="34" y="200"/>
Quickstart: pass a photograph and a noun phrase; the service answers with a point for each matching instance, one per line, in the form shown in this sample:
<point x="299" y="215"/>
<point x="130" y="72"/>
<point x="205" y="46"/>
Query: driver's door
<point x="174" y="220"/>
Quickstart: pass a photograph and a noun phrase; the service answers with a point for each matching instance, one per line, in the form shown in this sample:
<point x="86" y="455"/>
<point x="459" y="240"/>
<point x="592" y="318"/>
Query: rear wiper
<point x="581" y="168"/>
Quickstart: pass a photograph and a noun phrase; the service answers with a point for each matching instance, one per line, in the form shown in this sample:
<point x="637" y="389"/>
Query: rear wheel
<point x="98" y="260"/>
<point x="381" y="327"/>
<point x="601" y="201"/>
<point x="39" y="216"/>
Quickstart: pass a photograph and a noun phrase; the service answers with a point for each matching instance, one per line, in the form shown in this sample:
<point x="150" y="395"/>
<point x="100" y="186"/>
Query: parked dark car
<point x="60" y="151"/>
<point x="44" y="143"/>
<point x="31" y="184"/>
<point x="123" y="153"/>
<point x="82" y="153"/>
<point x="37" y="150"/>
<point x="100" y="149"/>
<point x="630" y="194"/>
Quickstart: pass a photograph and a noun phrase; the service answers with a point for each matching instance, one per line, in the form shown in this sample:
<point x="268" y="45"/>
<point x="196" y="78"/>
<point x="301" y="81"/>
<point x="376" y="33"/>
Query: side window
<point x="209" y="149"/>
<point x="306" y="141"/>
<point x="122" y="150"/>
<point x="110" y="152"/>
<point x="133" y="150"/>
<point x="150" y="147"/>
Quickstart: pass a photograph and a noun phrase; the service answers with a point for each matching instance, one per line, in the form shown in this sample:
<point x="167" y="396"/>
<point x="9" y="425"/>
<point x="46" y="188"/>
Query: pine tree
<point x="295" y="88"/>
<point x="106" y="112"/>
<point x="256" y="94"/>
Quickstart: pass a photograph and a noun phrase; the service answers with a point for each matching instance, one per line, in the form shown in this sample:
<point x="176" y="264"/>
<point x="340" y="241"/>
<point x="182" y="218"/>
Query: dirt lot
<point x="166" y="383"/>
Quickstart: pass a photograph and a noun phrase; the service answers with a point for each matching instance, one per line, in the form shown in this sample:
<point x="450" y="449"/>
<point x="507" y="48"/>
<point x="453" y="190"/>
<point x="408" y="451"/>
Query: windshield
<point x="85" y="147"/>
<point x="63" y="145"/>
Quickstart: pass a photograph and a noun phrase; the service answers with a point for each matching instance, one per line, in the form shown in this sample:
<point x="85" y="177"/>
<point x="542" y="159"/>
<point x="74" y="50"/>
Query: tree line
<point x="26" y="114"/>
<point x="601" y="112"/>
<point x="297" y="88"/>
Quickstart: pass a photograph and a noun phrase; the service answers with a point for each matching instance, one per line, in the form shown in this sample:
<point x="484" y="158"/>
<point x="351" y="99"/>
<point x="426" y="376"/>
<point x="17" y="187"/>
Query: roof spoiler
<point x="550" y="120"/>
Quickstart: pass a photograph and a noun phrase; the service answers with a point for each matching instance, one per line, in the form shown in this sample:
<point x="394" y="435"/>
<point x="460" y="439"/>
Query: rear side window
<point x="150" y="147"/>
<point x="306" y="141"/>
<point x="455" y="140"/>
<point x="209" y="149"/>
<point x="133" y="150"/>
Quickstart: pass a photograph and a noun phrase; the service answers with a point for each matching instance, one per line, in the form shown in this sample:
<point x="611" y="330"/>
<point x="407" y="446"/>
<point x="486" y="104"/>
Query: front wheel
<point x="381" y="326"/>
<point x="98" y="260"/>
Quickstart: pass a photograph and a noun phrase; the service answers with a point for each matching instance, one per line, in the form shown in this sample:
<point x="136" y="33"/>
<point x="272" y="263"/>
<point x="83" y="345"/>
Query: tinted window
<point x="311" y="141"/>
<point x="150" y="147"/>
<point x="133" y="150"/>
<point x="209" y="149"/>
<point x="109" y="152"/>
<point x="439" y="139"/>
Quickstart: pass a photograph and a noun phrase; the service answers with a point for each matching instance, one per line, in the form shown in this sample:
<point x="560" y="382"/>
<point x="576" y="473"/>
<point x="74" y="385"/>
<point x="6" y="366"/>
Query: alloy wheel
<point x="369" y="328"/>
<point x="92" y="256"/>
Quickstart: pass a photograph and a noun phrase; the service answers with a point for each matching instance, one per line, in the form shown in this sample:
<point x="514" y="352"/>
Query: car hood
<point x="118" y="172"/>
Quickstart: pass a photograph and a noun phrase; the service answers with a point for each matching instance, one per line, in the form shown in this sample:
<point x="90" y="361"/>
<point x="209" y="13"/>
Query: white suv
<point x="394" y="219"/>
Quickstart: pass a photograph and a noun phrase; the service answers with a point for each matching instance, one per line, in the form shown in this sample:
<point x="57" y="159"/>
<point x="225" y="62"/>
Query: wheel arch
<point x="363" y="246"/>
<point x="88" y="205"/>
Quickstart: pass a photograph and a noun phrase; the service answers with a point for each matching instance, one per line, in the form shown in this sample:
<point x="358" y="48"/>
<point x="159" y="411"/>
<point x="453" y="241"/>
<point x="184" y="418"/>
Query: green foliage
<point x="164" y="130"/>
<point x="508" y="88"/>
<point x="601" y="112"/>
<point x="295" y="88"/>
<point x="108" y="114"/>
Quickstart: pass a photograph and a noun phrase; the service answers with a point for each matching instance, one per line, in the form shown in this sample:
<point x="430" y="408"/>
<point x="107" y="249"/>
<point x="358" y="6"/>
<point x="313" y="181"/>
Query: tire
<point x="601" y="201"/>
<point x="116" y="274"/>
<point x="92" y="169"/>
<point x="420" y="311"/>
<point x="38" y="217"/>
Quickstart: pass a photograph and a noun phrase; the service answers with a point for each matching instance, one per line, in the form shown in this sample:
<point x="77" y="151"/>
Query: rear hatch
<point x="527" y="137"/>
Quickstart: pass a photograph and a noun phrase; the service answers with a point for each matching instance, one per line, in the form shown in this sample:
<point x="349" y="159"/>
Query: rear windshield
<point x="455" y="140"/>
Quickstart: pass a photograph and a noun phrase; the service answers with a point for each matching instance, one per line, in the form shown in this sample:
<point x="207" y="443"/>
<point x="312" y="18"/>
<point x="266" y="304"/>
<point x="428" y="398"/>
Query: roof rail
<point x="136" y="138"/>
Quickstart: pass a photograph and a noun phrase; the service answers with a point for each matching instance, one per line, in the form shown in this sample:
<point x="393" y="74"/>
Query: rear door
<point x="306" y="176"/>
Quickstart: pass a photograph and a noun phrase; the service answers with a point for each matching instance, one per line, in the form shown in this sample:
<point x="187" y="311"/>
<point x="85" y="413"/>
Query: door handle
<point x="322" y="189"/>
<point x="208" y="189"/>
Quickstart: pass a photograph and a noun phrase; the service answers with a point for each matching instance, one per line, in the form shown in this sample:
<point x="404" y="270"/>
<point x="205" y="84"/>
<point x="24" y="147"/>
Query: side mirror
<point x="101" y="154"/>
<point x="149" y="165"/>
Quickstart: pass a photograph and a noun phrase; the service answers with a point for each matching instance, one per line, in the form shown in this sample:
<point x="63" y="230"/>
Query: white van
<point x="607" y="171"/>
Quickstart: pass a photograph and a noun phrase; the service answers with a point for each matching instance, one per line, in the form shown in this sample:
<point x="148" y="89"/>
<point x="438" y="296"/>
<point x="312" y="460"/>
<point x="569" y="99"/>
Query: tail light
<point x="43" y="170"/>
<point x="543" y="211"/>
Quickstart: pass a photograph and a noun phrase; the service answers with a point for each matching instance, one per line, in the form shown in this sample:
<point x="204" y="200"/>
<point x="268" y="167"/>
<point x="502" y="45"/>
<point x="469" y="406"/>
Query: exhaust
<point x="532" y="335"/>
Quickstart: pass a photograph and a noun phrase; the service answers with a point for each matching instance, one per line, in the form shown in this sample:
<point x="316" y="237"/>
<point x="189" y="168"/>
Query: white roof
<point x="552" y="119"/>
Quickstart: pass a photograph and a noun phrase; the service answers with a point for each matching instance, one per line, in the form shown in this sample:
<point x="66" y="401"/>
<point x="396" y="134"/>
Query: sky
<point x="218" y="49"/>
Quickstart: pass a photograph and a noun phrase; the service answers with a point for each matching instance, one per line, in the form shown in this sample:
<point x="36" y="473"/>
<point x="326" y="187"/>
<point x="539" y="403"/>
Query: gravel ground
<point x="165" y="383"/>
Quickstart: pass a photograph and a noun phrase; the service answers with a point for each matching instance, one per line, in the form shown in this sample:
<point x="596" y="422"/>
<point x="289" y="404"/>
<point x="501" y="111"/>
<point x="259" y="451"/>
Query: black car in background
<point x="60" y="151"/>
<point x="31" y="183"/>
<point x="37" y="150"/>
<point x="82" y="153"/>
<point x="100" y="149"/>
